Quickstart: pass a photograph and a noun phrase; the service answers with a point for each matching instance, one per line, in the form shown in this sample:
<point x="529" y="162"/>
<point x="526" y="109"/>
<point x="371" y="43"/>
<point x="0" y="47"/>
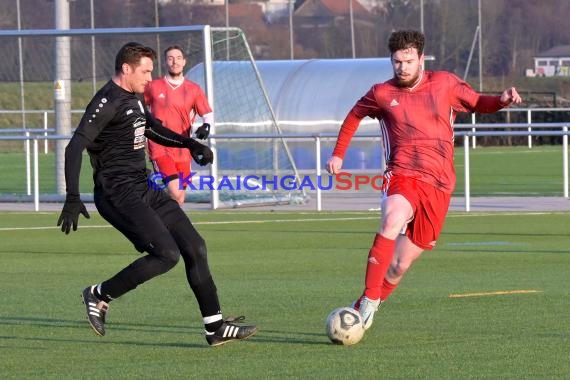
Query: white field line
<point x="207" y="223"/>
<point x="297" y="220"/>
<point x="496" y="293"/>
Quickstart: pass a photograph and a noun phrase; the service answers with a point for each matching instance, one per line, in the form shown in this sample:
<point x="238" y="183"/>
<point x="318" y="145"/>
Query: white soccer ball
<point x="344" y="326"/>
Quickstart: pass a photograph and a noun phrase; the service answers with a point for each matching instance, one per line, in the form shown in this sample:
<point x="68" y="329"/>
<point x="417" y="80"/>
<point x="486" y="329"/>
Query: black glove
<point x="201" y="153"/>
<point x="203" y="132"/>
<point x="70" y="213"/>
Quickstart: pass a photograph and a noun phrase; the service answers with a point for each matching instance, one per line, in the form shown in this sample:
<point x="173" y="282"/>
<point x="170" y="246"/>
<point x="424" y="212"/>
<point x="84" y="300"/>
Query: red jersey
<point x="417" y="124"/>
<point x="176" y="105"/>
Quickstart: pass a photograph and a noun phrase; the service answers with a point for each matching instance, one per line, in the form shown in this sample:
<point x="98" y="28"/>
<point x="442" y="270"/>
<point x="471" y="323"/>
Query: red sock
<point x="379" y="259"/>
<point x="386" y="290"/>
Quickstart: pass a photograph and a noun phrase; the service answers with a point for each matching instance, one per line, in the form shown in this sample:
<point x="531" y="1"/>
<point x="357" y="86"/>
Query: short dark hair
<point x="174" y="47"/>
<point x="405" y="39"/>
<point x="131" y="53"/>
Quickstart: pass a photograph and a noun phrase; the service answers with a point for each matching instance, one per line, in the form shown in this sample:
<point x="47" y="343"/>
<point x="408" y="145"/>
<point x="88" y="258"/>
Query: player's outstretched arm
<point x="334" y="165"/>
<point x="510" y="95"/>
<point x="203" y="131"/>
<point x="73" y="205"/>
<point x="69" y="216"/>
<point x="201" y="153"/>
<point x="158" y="133"/>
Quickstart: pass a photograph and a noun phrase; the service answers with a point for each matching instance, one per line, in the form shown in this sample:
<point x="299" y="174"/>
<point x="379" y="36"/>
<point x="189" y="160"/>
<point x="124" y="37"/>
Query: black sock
<point x="101" y="295"/>
<point x="214" y="326"/>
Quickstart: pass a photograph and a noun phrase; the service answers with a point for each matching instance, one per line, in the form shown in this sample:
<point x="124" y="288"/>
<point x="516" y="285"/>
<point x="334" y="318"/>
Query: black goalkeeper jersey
<point x="114" y="130"/>
<point x="114" y="124"/>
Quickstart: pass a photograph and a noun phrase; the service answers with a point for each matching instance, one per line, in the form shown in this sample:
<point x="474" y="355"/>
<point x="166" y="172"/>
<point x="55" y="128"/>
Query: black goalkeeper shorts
<point x="141" y="213"/>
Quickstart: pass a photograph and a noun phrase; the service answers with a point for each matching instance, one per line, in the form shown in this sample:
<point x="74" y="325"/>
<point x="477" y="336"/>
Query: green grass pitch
<point x="285" y="272"/>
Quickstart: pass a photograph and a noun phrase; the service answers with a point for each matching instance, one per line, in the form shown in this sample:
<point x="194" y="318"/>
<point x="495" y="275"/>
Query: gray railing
<point x="529" y="120"/>
<point x="463" y="130"/>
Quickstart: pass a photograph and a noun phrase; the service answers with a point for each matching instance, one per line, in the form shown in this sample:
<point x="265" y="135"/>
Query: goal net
<point x="252" y="157"/>
<point x="248" y="170"/>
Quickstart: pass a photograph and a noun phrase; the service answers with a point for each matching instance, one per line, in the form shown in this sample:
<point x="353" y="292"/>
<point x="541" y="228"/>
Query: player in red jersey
<point x="416" y="110"/>
<point x="176" y="101"/>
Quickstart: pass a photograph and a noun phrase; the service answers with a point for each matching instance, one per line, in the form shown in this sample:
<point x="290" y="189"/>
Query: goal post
<point x="242" y="107"/>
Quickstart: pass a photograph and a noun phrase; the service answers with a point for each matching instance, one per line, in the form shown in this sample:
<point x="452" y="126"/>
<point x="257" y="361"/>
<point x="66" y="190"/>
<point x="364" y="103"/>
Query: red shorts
<point x="430" y="207"/>
<point x="172" y="169"/>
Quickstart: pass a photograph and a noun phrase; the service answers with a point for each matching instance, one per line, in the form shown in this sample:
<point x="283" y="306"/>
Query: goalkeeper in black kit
<point x="114" y="130"/>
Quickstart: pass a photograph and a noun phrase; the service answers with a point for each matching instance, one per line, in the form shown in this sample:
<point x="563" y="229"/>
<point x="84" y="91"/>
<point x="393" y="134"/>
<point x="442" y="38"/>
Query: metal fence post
<point x="318" y="170"/>
<point x="565" y="159"/>
<point x="529" y="121"/>
<point x="46" y="132"/>
<point x="36" y="177"/>
<point x="467" y="174"/>
<point x="473" y="121"/>
<point x="28" y="169"/>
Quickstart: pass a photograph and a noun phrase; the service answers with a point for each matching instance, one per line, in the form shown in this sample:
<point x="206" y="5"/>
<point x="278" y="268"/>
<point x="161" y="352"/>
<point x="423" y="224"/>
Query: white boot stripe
<point x="230" y="331"/>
